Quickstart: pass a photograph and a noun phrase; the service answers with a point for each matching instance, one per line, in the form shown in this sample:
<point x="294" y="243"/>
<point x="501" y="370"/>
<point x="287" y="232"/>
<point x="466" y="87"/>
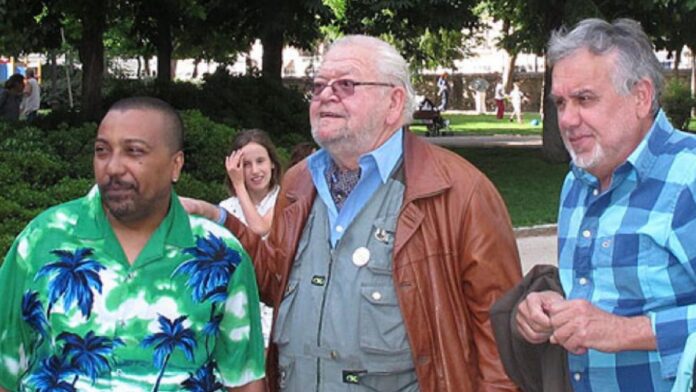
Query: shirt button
<point x="119" y="372"/>
<point x="595" y="192"/>
<point x="130" y="276"/>
<point x="376" y="295"/>
<point x="583" y="281"/>
<point x="339" y="229"/>
<point x="333" y="354"/>
<point x="606" y="244"/>
<point x="586" y="233"/>
<point x="577" y="376"/>
<point x="121" y="323"/>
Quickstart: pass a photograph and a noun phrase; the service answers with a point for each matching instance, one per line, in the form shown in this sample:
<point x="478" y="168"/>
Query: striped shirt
<point x="631" y="250"/>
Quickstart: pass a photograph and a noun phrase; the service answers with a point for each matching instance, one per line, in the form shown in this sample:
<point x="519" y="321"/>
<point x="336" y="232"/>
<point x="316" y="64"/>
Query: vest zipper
<point x="321" y="317"/>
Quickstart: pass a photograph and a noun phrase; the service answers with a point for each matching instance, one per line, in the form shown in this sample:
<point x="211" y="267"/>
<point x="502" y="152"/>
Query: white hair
<point x="389" y="64"/>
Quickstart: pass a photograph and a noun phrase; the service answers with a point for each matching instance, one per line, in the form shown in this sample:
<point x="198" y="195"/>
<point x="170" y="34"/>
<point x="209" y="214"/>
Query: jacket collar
<point x="424" y="176"/>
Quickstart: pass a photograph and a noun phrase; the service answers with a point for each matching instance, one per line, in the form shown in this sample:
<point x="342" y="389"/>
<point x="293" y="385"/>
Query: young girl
<point x="253" y="180"/>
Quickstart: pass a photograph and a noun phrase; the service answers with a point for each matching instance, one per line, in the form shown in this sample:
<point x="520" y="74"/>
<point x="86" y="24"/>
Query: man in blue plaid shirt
<point x="627" y="219"/>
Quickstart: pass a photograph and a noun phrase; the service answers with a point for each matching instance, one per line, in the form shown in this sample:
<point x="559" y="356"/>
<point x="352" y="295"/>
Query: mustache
<point x="117" y="184"/>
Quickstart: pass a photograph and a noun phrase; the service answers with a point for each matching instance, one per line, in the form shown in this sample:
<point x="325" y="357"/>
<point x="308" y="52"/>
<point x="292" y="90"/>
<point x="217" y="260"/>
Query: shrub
<point x="206" y="144"/>
<point x="678" y="102"/>
<point x="255" y="102"/>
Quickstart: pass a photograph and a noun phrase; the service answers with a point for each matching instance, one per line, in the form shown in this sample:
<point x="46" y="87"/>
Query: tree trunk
<point x="509" y="75"/>
<point x="146" y="66"/>
<point x="140" y="67"/>
<point x="677" y="60"/>
<point x="92" y="58"/>
<point x="272" y="58"/>
<point x="164" y="50"/>
<point x="194" y="75"/>
<point x="553" y="149"/>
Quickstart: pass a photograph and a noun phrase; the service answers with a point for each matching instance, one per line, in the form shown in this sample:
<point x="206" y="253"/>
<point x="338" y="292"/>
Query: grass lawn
<point x="487" y="124"/>
<point x="530" y="186"/>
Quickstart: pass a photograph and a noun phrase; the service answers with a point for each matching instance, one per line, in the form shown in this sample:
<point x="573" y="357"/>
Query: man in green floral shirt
<point x="121" y="290"/>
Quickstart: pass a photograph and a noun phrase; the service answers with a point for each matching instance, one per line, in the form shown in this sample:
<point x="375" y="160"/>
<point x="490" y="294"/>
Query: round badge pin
<point x="361" y="256"/>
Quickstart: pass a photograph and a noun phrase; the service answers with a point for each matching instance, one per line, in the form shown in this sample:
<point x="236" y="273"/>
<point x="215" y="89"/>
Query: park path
<point x="511" y="141"/>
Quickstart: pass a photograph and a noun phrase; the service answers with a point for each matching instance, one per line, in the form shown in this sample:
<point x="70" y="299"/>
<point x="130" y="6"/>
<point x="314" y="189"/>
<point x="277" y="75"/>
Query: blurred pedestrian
<point x="11" y="98"/>
<point x="32" y="96"/>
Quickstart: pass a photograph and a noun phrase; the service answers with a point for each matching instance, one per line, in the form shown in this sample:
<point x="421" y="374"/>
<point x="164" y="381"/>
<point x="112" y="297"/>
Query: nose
<point x="569" y="117"/>
<point x="114" y="165"/>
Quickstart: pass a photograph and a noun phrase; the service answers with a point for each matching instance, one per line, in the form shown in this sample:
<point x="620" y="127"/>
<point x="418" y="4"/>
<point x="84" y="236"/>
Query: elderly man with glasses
<point x="385" y="252"/>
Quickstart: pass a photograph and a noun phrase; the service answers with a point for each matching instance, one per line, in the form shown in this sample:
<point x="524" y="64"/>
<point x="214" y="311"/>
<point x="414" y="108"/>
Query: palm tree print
<point x="72" y="277"/>
<point x="88" y="355"/>
<point x="33" y="313"/>
<point x="210" y="268"/>
<point x="204" y="380"/>
<point x="209" y="271"/>
<point x="52" y="376"/>
<point x="173" y="336"/>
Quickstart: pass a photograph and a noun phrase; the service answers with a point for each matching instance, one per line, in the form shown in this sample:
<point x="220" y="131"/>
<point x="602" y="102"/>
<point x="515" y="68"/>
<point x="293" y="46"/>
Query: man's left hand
<point x="578" y="326"/>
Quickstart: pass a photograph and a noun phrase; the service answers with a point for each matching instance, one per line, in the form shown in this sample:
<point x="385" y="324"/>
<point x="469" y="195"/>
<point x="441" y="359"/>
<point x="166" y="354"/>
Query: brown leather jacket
<point x="454" y="255"/>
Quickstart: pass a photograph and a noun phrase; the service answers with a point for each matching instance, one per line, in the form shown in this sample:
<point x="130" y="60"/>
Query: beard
<point x="122" y="199"/>
<point x="348" y="142"/>
<point x="587" y="161"/>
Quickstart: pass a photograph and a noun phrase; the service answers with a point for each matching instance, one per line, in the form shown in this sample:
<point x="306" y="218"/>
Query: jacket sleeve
<point x="492" y="267"/>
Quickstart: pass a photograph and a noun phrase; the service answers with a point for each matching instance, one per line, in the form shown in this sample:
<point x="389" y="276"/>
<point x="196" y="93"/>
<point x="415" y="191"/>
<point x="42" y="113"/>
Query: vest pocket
<point x="281" y="335"/>
<point x="381" y="324"/>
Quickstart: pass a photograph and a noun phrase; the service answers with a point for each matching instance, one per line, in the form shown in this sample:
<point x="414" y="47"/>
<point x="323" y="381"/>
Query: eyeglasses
<point x="342" y="87"/>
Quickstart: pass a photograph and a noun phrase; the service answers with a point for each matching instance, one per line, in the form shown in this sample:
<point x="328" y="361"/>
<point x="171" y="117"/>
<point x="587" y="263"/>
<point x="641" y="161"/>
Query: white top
<point x="499" y="91"/>
<point x="516" y="96"/>
<point x="233" y="207"/>
<point x="31" y="102"/>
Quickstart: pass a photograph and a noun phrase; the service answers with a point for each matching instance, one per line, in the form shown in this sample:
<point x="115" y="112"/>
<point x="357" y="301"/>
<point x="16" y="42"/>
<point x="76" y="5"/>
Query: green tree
<point x="429" y="33"/>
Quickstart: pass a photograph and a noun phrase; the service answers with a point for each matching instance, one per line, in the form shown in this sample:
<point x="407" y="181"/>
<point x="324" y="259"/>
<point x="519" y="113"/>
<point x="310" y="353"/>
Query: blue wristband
<point x="223" y="216"/>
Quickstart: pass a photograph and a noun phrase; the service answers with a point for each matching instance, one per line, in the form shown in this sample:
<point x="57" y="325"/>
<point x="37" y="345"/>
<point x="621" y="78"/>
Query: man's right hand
<point x="533" y="321"/>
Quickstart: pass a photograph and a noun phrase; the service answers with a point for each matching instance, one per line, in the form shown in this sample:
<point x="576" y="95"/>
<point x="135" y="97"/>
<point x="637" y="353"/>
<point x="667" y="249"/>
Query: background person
<point x="627" y="217"/>
<point x="11" y="98"/>
<point x="516" y="98"/>
<point x="32" y="96"/>
<point x="499" y="97"/>
<point x="443" y="91"/>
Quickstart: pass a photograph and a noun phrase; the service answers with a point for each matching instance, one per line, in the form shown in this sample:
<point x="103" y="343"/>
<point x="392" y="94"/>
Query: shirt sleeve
<point x="239" y="350"/>
<point x="16" y="338"/>
<point x="673" y="326"/>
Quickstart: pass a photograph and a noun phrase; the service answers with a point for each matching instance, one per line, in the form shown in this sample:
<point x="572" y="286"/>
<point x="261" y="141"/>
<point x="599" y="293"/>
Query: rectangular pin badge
<point x="351" y="376"/>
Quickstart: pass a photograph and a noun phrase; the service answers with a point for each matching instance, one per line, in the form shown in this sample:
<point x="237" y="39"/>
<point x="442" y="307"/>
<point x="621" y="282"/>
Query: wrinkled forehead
<point x="347" y="60"/>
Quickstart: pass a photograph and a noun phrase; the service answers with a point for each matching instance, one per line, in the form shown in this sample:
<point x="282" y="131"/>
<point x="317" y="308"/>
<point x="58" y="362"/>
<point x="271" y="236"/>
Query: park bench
<point x="433" y="121"/>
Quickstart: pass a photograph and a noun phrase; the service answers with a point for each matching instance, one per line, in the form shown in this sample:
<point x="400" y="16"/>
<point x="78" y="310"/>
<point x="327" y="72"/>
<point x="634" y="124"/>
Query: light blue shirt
<point x="375" y="168"/>
<point x="630" y="251"/>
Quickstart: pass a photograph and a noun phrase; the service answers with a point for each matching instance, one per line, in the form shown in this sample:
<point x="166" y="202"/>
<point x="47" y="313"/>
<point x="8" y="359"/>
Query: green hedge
<point x="40" y="168"/>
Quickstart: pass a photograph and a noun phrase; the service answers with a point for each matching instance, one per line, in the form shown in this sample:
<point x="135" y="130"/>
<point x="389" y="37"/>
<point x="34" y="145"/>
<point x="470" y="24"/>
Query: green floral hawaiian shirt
<point x="76" y="316"/>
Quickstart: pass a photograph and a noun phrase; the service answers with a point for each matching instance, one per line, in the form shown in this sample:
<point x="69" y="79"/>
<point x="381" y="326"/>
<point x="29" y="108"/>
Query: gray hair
<point x="635" y="56"/>
<point x="389" y="64"/>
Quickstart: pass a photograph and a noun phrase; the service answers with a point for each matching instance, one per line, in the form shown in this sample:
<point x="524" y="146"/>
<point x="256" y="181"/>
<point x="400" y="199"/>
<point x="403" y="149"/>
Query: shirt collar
<point x="175" y="229"/>
<point x="643" y="156"/>
<point x="385" y="157"/>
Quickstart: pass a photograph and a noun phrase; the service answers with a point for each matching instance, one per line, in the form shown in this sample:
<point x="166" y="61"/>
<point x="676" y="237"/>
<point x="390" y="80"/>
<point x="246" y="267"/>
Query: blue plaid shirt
<point x="631" y="250"/>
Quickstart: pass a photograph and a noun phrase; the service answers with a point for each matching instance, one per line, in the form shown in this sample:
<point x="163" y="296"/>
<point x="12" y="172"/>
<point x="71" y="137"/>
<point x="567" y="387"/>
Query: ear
<point x="643" y="92"/>
<point x="177" y="165"/>
<point x="397" y="100"/>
